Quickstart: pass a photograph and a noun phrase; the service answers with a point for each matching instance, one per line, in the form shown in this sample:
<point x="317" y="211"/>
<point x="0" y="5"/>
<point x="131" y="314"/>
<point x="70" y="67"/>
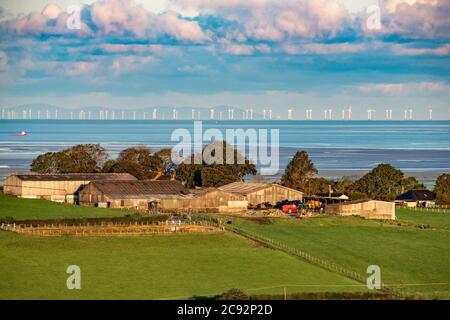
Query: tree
<point x="382" y="183"/>
<point x="167" y="164"/>
<point x="137" y="161"/>
<point x="52" y="162"/>
<point x="442" y="189"/>
<point x="410" y="183"/>
<point x="82" y="158"/>
<point x="298" y="172"/>
<point x="318" y="185"/>
<point x="215" y="171"/>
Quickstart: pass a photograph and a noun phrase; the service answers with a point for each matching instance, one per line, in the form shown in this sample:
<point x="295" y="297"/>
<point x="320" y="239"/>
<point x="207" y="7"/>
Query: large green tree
<point x="215" y="170"/>
<point x="384" y="182"/>
<point x="442" y="189"/>
<point x="83" y="158"/>
<point x="138" y="161"/>
<point x="299" y="172"/>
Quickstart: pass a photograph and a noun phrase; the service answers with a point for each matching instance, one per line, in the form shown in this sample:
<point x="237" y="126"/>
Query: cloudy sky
<point x="202" y="53"/>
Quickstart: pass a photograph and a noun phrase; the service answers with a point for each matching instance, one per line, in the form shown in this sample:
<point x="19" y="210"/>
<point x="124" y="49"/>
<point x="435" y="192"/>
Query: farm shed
<point x="207" y="200"/>
<point x="369" y="209"/>
<point x="55" y="187"/>
<point x="257" y="193"/>
<point x="416" y="198"/>
<point x="140" y="195"/>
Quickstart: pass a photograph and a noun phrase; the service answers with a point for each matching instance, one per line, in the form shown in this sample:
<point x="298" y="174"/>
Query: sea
<point x="337" y="148"/>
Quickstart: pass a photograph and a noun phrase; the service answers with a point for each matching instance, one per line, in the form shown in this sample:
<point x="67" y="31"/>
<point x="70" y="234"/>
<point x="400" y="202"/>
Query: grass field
<point x="412" y="252"/>
<point x="416" y="258"/>
<point x="153" y="267"/>
<point x="21" y="209"/>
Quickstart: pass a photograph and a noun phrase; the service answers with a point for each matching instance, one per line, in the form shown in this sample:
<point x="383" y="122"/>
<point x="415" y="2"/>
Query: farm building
<point x="417" y="198"/>
<point x="258" y="193"/>
<point x="140" y="195"/>
<point x="55" y="187"/>
<point x="207" y="200"/>
<point x="369" y="209"/>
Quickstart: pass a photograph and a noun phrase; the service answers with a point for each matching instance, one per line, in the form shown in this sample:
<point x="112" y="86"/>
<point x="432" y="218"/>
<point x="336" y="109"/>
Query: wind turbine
<point x="193" y="114"/>
<point x="211" y="114"/>
<point x="349" y="112"/>
<point x="290" y="114"/>
<point x="410" y="114"/>
<point x="370" y="113"/>
<point x="388" y="114"/>
<point x="154" y="114"/>
<point x="430" y="114"/>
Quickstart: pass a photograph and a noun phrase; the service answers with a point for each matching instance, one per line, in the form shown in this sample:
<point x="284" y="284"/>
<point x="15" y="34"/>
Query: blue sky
<point x="257" y="53"/>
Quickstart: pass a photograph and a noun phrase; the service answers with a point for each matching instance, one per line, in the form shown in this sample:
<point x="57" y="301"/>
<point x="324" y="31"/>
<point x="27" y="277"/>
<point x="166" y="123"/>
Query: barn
<point x="258" y="193"/>
<point x="369" y="209"/>
<point x="139" y="195"/>
<point x="55" y="187"/>
<point x="207" y="200"/>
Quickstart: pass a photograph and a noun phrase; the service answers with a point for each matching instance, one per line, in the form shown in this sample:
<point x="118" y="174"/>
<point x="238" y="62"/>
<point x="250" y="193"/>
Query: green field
<point x="153" y="267"/>
<point x="21" y="209"/>
<point x="412" y="258"/>
<point x="413" y="254"/>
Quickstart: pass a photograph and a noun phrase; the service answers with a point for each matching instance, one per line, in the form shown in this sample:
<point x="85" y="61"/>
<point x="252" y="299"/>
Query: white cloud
<point x="413" y="51"/>
<point x="404" y="88"/>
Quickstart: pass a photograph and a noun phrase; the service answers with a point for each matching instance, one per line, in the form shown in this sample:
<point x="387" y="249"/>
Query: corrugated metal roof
<point x="244" y="187"/>
<point x="76" y="177"/>
<point x="141" y="189"/>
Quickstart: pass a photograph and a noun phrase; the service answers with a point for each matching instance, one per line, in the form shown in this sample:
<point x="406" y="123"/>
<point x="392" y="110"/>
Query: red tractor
<point x="289" y="208"/>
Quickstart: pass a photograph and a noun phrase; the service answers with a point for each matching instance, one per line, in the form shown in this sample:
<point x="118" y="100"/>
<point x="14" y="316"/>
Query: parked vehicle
<point x="289" y="208"/>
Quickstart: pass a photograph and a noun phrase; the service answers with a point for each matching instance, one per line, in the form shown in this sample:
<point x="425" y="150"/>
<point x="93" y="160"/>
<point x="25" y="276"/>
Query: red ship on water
<point x="22" y="134"/>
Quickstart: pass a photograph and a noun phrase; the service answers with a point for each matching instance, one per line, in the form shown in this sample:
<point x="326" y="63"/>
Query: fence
<point x="331" y="266"/>
<point x="440" y="209"/>
<point x="178" y="224"/>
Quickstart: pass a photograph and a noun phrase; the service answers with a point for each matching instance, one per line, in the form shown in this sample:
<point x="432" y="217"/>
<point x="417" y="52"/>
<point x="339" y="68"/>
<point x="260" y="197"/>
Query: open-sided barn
<point x="370" y="209"/>
<point x="55" y="187"/>
<point x="207" y="200"/>
<point x="141" y="195"/>
<point x="257" y="193"/>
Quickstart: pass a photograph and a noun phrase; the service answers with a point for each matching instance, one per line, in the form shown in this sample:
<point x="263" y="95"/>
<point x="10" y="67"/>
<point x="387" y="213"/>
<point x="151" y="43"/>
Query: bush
<point x="234" y="294"/>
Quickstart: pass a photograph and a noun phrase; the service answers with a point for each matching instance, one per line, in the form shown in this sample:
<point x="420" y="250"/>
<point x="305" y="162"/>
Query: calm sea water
<point x="347" y="146"/>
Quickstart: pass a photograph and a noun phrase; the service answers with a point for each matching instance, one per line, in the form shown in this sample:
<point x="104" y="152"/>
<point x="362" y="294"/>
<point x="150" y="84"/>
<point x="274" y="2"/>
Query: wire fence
<point x="299" y="254"/>
<point x="445" y="209"/>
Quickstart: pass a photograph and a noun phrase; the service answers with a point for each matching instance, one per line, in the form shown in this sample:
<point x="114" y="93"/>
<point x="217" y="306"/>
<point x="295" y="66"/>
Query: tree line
<point x="384" y="182"/>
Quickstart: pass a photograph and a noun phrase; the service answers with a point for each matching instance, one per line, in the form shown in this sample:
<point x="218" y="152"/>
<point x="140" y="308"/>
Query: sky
<point x="299" y="54"/>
